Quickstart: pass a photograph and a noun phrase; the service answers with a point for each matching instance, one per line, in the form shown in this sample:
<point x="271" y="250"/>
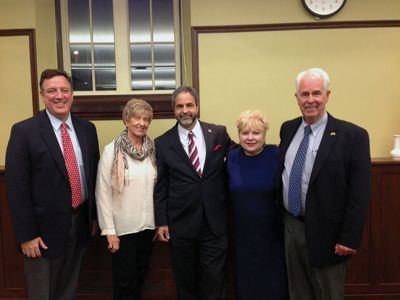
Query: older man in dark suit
<point x="190" y="199"/>
<point x="51" y="166"/>
<point x="325" y="188"/>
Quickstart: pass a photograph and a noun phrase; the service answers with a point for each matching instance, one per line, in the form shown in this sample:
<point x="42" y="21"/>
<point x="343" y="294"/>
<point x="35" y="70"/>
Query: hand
<point x="155" y="237"/>
<point x="343" y="250"/>
<point x="94" y="229"/>
<point x="32" y="248"/>
<point x="113" y="243"/>
<point x="163" y="233"/>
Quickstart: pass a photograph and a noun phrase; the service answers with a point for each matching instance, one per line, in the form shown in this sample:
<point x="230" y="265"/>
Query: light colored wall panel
<point x="246" y="70"/>
<point x="15" y="86"/>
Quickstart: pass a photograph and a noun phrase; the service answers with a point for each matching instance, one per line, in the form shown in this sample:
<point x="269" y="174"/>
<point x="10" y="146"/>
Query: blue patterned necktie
<point x="294" y="192"/>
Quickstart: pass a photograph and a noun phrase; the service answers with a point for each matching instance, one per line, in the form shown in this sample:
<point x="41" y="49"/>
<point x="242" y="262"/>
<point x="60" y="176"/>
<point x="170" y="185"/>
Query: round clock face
<point x="323" y="8"/>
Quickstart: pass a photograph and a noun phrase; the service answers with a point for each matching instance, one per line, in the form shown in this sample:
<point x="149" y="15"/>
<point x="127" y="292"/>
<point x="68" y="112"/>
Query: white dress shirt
<point x="198" y="139"/>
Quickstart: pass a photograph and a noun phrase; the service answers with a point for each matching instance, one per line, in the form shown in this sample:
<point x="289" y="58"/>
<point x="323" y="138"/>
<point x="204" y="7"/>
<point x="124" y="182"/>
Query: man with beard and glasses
<point x="190" y="198"/>
<point x="51" y="166"/>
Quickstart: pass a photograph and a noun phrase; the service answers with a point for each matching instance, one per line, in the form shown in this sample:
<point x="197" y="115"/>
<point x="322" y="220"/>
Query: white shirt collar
<point x="196" y="130"/>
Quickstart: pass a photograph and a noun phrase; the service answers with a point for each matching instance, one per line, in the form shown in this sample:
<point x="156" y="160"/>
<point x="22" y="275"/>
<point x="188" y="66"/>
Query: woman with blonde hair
<point x="124" y="196"/>
<point x="260" y="271"/>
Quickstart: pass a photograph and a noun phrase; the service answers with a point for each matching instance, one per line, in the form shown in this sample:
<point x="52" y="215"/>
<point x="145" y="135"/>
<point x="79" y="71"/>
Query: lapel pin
<point x="209" y="130"/>
<point x="333" y="133"/>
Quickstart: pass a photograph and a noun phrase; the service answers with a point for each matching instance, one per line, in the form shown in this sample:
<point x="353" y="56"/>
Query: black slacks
<point x="199" y="264"/>
<point x="130" y="264"/>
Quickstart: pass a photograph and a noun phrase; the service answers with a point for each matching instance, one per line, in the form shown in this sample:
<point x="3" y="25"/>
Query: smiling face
<point x="186" y="110"/>
<point x="252" y="140"/>
<point x="312" y="98"/>
<point x="57" y="96"/>
<point x="137" y="125"/>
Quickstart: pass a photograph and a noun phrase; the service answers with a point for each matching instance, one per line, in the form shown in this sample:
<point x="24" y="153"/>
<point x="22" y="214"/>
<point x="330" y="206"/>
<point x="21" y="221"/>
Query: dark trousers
<point x="305" y="281"/>
<point x="57" y="278"/>
<point x="130" y="264"/>
<point x="199" y="264"/>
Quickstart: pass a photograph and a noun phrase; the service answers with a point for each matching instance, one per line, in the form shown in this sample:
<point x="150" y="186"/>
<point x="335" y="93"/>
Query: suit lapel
<point x="291" y="131"/>
<point x="80" y="134"/>
<point x="209" y="137"/>
<point x="50" y="139"/>
<point x="331" y="135"/>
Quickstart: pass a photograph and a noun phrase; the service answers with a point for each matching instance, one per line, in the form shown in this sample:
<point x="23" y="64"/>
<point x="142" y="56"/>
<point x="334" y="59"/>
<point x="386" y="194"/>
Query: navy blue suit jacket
<point x="339" y="190"/>
<point x="38" y="188"/>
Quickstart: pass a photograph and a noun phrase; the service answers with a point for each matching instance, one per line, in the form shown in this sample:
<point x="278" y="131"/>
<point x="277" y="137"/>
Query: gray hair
<point x="315" y="72"/>
<point x="136" y="106"/>
<point x="184" y="89"/>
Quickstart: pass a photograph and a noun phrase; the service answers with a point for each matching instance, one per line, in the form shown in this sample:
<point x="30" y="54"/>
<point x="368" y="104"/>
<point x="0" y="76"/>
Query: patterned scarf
<point x="123" y="147"/>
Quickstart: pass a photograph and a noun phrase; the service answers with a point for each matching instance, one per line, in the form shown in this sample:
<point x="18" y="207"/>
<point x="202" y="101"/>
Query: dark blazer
<point x="38" y="188"/>
<point x="339" y="189"/>
<point x="181" y="194"/>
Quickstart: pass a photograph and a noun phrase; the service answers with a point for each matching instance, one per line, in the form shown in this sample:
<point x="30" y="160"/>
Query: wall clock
<point x="323" y="8"/>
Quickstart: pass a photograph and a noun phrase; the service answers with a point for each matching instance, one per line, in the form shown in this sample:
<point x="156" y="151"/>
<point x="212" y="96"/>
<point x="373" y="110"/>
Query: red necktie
<point x="72" y="166"/>
<point x="194" y="154"/>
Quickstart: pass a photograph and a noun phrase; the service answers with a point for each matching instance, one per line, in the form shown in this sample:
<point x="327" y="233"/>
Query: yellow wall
<point x="260" y="71"/>
<point x="39" y="14"/>
<point x="239" y="71"/>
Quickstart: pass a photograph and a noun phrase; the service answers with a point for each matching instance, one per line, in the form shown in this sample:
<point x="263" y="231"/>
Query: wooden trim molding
<point x="197" y="30"/>
<point x="110" y="107"/>
<point x="30" y="33"/>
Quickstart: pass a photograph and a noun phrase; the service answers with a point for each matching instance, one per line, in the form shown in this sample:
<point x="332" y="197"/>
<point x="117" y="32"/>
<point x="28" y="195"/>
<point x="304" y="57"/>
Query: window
<point x="119" y="49"/>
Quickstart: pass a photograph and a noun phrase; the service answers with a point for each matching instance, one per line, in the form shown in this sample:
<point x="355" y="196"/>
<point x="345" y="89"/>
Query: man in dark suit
<point x="51" y="199"/>
<point x="325" y="227"/>
<point x="190" y="199"/>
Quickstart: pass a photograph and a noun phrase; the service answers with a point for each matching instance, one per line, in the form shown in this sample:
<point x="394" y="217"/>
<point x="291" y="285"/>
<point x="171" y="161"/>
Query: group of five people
<point x="298" y="209"/>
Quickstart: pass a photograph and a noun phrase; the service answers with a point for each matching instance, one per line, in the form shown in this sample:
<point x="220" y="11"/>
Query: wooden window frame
<point x="109" y="107"/>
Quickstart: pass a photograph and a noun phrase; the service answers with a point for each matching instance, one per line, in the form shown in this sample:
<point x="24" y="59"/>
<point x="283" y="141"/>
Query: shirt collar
<point x="315" y="127"/>
<point x="196" y="130"/>
<point x="56" y="122"/>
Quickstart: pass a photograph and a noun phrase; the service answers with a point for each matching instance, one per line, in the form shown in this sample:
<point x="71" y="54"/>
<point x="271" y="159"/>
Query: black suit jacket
<point x="339" y="189"/>
<point x="38" y="188"/>
<point x="181" y="195"/>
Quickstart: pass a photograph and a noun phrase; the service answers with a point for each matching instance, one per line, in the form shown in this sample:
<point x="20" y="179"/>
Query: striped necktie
<point x="194" y="154"/>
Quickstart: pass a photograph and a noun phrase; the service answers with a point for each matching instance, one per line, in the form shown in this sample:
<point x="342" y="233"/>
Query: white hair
<point x="315" y="72"/>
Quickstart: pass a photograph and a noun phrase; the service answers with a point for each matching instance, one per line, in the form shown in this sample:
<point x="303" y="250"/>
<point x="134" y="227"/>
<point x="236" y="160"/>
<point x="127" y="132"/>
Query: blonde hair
<point x="253" y="119"/>
<point x="136" y="106"/>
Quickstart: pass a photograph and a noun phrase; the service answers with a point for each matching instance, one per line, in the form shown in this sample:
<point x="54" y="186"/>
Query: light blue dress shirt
<point x="315" y="140"/>
<point x="56" y="124"/>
